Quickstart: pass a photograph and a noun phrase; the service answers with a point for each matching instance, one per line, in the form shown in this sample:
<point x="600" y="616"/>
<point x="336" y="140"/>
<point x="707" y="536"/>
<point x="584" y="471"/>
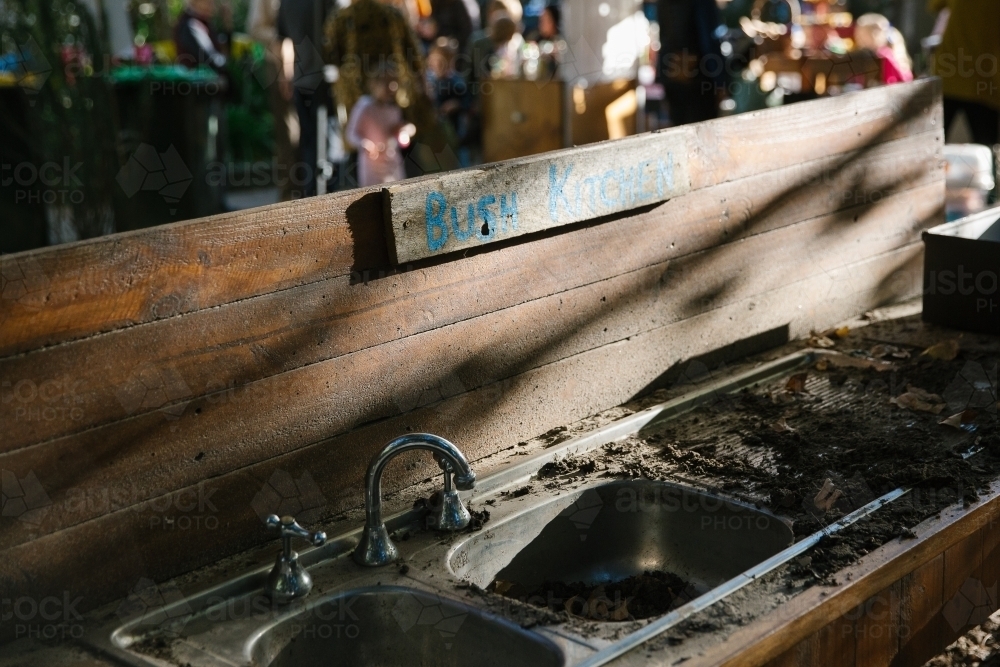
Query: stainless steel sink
<point x="389" y="626"/>
<point x="623" y="528"/>
<point x="428" y="608"/>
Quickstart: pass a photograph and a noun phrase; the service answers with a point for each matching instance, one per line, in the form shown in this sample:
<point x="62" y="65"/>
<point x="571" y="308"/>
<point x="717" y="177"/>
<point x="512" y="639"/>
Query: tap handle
<point x="448" y="469"/>
<point x="290" y="528"/>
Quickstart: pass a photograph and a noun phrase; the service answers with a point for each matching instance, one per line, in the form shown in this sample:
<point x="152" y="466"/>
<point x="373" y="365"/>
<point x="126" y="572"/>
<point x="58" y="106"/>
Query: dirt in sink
<point x="638" y="597"/>
<point x="824" y="441"/>
<point x="898" y="404"/>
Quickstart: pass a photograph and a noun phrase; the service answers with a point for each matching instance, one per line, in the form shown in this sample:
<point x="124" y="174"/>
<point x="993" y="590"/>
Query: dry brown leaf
<point x="781" y="426"/>
<point x="782" y="397"/>
<point x="880" y="351"/>
<point x="946" y="350"/>
<point x="959" y="418"/>
<point x="912" y="401"/>
<point x="502" y="587"/>
<point x="797" y="383"/>
<point x="822" y="365"/>
<point x="821" y="342"/>
<point x="828" y="496"/>
<point x="923" y="394"/>
<point x="842" y="360"/>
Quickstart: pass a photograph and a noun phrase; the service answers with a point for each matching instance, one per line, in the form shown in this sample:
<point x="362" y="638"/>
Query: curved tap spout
<point x="375" y="547"/>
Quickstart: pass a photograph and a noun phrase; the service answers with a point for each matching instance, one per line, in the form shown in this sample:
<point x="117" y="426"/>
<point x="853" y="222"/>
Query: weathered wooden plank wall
<point x="162" y="378"/>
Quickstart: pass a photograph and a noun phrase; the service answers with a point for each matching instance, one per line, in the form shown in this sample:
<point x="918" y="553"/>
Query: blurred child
<point x="448" y="90"/>
<point x="376" y="128"/>
<point x="875" y="33"/>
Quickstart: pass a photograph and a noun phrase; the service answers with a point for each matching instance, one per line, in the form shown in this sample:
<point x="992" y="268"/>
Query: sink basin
<point x="389" y="626"/>
<point x="620" y="529"/>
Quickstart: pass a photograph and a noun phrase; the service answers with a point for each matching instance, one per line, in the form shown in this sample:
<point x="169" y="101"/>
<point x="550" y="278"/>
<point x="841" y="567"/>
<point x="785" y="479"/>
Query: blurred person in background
<point x="451" y="95"/>
<point x="968" y="62"/>
<point x="551" y="46"/>
<point x="197" y="37"/>
<point x="548" y="25"/>
<point x="427" y="31"/>
<point x="496" y="54"/>
<point x="301" y="21"/>
<point x="262" y="25"/>
<point x="692" y="68"/>
<point x="874" y="33"/>
<point x="451" y="17"/>
<point x="366" y="35"/>
<point x="377" y="128"/>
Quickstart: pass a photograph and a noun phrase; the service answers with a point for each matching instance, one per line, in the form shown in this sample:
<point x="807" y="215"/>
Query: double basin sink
<point x="434" y="610"/>
<point x="437" y="605"/>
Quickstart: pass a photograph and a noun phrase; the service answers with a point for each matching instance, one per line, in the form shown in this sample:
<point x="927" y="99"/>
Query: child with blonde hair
<point x="874" y="33"/>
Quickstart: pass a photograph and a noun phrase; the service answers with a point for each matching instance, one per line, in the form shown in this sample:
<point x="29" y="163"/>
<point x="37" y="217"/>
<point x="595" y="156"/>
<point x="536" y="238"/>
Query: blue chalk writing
<point x="437" y="231"/>
<point x="482" y="219"/>
<point x="470" y="224"/>
<point x="489" y="229"/>
<point x="556" y="194"/>
<point x="611" y="190"/>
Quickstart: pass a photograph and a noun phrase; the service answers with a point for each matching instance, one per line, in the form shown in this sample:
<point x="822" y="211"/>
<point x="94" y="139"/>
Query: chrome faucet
<point x="375" y="547"/>
<point x="289" y="580"/>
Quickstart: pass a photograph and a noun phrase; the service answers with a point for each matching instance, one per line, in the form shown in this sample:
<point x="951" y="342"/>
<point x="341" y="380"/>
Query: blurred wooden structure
<point x="522" y="118"/>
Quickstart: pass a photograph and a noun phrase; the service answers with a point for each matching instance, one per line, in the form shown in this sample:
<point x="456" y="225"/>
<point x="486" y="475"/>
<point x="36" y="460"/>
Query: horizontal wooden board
<point x="204" y="437"/>
<point x="69" y="388"/>
<point x="464" y="209"/>
<point x="68" y="292"/>
<point x="481" y="421"/>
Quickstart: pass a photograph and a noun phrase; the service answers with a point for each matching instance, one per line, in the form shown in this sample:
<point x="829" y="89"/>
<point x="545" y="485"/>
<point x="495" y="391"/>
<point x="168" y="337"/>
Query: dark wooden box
<point x="962" y="273"/>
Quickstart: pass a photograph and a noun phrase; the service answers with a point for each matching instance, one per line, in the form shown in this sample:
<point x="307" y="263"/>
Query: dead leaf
<point x="912" y="401"/>
<point x="828" y="496"/>
<point x="881" y="351"/>
<point x="822" y="365"/>
<point x="945" y="350"/>
<point x="781" y="397"/>
<point x="923" y="394"/>
<point x="959" y="418"/>
<point x="781" y="426"/>
<point x="797" y="383"/>
<point x="841" y="360"/>
<point x="502" y="587"/>
<point x="821" y="342"/>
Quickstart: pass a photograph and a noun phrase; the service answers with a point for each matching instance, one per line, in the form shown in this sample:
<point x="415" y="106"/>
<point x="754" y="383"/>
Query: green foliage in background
<point x="251" y="126"/>
<point x="61" y="56"/>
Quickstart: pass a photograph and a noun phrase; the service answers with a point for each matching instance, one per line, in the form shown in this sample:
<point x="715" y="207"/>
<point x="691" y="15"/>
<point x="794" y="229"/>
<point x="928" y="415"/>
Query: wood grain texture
<point x="278" y="356"/>
<point x="877" y="627"/>
<point x="920" y="614"/>
<point x="48" y="393"/>
<point x="481" y="421"/>
<point x="69" y="292"/>
<point x="189" y="438"/>
<point x="52" y="295"/>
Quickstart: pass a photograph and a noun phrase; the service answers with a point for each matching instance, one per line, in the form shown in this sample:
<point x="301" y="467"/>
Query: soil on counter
<point x="825" y="441"/>
<point x="634" y="598"/>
